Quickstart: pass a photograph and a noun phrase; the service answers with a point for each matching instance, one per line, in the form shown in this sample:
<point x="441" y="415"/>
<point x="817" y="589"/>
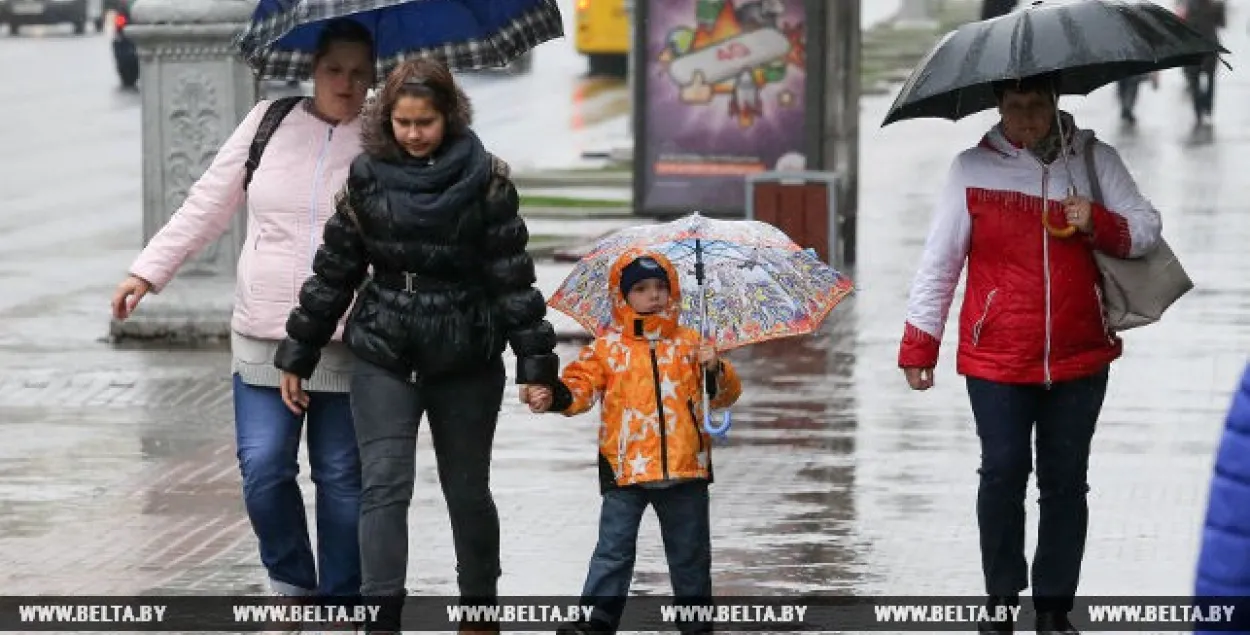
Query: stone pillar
<point x="841" y="125"/>
<point x="918" y="14"/>
<point x="195" y="91"/>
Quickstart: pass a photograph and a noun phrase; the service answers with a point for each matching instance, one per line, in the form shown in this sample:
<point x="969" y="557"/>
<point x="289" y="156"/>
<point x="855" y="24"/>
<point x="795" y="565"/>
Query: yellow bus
<point x="603" y="35"/>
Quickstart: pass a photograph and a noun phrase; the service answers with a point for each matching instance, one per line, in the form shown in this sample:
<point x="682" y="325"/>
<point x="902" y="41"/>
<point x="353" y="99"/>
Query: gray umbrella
<point x="1091" y="43"/>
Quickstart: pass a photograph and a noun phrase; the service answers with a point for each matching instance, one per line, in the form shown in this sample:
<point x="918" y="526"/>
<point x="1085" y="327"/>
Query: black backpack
<point x="277" y="111"/>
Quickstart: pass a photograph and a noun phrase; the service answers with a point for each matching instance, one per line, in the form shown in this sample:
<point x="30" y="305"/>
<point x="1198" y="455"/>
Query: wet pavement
<point x="117" y="470"/>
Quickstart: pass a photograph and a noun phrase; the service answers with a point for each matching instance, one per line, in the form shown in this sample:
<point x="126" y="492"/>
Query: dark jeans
<point x="1065" y="415"/>
<point x="682" y="509"/>
<point x="267" y="435"/>
<point x="996" y="8"/>
<point x="1201" y="80"/>
<point x="463" y="411"/>
<point x="1127" y="90"/>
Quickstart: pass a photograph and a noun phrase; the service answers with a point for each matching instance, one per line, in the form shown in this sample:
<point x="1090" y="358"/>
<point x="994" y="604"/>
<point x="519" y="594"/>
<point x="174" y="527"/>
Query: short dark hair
<point x="342" y="31"/>
<point x="1045" y="84"/>
<point x="428" y="78"/>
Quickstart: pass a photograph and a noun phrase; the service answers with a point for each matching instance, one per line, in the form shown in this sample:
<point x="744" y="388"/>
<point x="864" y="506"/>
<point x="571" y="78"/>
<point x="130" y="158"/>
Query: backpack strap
<point x="277" y="111"/>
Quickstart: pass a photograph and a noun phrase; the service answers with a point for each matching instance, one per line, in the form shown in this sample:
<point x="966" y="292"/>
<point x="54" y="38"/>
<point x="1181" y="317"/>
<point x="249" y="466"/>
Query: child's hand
<point x="540" y="398"/>
<point x="707" y="355"/>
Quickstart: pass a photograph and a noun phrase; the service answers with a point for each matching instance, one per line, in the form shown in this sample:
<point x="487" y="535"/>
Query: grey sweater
<point x="253" y="361"/>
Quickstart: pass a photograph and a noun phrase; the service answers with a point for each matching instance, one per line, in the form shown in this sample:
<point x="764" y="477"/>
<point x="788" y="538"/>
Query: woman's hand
<point x="128" y="294"/>
<point x="293" y="394"/>
<point x="1079" y="213"/>
<point x="919" y="378"/>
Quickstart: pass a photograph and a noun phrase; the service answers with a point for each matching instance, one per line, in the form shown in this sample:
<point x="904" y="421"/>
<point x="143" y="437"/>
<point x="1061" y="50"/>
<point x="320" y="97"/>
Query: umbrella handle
<point x="726" y="422"/>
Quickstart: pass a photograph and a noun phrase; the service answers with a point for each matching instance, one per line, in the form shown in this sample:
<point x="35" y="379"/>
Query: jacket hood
<point x="995" y="140"/>
<point x="657" y="325"/>
<point x="376" y="139"/>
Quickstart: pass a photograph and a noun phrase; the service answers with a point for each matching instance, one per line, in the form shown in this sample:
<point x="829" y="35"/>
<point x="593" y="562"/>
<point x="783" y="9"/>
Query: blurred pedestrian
<point x="1206" y="17"/>
<point x="1224" y="556"/>
<point x="649" y="373"/>
<point x="288" y="201"/>
<point x="1127" y="91"/>
<point x="1034" y="343"/>
<point x="435" y="216"/>
<point x="995" y="8"/>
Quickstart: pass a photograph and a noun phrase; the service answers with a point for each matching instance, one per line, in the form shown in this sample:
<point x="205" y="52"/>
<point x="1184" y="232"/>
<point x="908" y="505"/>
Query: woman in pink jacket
<point x="288" y="202"/>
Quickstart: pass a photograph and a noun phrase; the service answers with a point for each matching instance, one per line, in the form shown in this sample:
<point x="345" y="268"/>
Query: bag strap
<point x="277" y="111"/>
<point x="1091" y="171"/>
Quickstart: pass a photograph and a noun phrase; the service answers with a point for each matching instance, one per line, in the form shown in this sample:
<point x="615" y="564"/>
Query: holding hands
<point x="537" y="397"/>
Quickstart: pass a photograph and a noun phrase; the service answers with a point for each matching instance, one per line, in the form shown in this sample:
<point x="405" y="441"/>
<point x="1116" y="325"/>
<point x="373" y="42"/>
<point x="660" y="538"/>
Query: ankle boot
<point x="479" y="628"/>
<point x="998" y="627"/>
<point x="1055" y="623"/>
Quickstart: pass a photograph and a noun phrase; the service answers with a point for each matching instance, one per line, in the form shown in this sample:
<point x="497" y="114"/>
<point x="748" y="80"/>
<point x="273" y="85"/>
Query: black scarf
<point x="440" y="185"/>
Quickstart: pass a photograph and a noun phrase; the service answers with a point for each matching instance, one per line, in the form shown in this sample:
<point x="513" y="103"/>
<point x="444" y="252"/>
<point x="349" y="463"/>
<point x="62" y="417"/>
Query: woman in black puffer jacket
<point x="436" y="216"/>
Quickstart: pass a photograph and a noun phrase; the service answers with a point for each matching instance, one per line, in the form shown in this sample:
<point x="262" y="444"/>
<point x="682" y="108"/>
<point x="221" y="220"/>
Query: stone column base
<point x="191" y="311"/>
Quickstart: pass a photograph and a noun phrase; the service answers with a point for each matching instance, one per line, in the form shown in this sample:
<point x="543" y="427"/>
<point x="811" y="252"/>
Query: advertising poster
<point x="724" y="96"/>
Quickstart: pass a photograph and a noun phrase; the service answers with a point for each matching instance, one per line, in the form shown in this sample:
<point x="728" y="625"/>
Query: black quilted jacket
<point x="451" y="283"/>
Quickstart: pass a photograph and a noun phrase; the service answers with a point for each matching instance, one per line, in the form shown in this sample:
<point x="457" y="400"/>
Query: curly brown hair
<point x="419" y="77"/>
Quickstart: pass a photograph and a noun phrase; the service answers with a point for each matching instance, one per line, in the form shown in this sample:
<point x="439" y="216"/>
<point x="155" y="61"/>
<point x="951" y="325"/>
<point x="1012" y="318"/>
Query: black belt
<point x="413" y="282"/>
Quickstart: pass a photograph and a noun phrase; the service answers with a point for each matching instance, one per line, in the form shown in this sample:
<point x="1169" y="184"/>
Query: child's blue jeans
<point x="682" y="509"/>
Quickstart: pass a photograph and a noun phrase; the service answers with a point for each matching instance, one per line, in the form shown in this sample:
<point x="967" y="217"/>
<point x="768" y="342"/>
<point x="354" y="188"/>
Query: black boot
<point x="584" y="628"/>
<point x="1055" y="623"/>
<point x="997" y="627"/>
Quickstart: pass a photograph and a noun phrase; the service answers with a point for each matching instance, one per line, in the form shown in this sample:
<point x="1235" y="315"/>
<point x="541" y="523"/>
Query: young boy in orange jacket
<point x="650" y="374"/>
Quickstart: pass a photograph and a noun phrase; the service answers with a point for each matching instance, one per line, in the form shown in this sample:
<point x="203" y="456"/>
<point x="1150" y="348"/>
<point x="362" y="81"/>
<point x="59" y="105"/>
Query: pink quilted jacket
<point x="288" y="203"/>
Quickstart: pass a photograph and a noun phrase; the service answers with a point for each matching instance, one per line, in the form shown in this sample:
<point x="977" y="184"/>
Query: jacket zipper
<point x="316" y="193"/>
<point x="694" y="418"/>
<point x="976" y="328"/>
<point x="1046" y="271"/>
<point x="659" y="410"/>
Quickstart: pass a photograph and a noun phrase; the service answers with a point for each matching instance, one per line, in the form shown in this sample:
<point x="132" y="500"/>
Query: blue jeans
<point x="1064" y="417"/>
<point x="268" y="436"/>
<point x="682" y="509"/>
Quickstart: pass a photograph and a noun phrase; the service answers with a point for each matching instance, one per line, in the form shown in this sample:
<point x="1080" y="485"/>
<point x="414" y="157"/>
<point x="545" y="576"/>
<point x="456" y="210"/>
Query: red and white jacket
<point x="1032" y="311"/>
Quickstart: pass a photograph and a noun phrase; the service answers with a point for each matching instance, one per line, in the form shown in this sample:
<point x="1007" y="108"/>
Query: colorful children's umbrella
<point x="465" y="34"/>
<point x="754" y="283"/>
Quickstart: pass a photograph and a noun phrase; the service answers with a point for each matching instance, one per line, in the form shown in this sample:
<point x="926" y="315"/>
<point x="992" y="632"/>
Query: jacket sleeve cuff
<point x="542" y="370"/>
<point x="918" y="349"/>
<point x="1111" y="235"/>
<point x="153" y="275"/>
<point x="561" y="397"/>
<point x="297" y="357"/>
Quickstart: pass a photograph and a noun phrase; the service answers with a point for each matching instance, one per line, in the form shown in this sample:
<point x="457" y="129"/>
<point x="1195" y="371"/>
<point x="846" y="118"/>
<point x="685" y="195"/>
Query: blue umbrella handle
<point x="722" y="429"/>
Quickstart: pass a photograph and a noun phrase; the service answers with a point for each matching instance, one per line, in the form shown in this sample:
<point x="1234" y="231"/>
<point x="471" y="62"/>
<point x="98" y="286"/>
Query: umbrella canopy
<point x="743" y="282"/>
<point x="464" y="34"/>
<point x="1091" y="43"/>
<point x="756" y="285"/>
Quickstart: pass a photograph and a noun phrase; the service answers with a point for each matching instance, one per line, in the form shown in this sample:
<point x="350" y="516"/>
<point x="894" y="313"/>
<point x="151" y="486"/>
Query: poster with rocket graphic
<point x="724" y="97"/>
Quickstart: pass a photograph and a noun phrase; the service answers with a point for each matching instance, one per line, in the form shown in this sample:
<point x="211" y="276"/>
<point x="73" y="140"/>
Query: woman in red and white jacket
<point x="1034" y="344"/>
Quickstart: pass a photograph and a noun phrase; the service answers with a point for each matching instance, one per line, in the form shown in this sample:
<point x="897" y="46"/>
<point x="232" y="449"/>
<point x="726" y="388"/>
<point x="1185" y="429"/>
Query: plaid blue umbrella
<point x="465" y="34"/>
